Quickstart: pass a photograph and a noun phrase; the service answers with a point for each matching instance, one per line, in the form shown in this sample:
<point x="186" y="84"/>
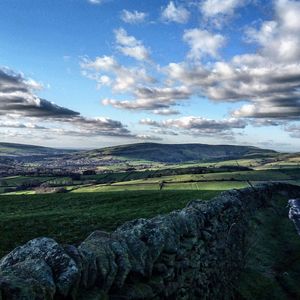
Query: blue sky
<point x="91" y="73"/>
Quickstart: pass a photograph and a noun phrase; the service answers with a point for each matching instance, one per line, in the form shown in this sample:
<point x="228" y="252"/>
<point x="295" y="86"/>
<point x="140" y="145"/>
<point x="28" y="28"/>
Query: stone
<point x="64" y="269"/>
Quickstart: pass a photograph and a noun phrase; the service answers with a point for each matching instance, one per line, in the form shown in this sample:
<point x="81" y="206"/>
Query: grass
<point x="132" y="186"/>
<point x="69" y="218"/>
<point x="255" y="175"/>
<point x="273" y="262"/>
<point x="18" y="180"/>
<point x="146" y="180"/>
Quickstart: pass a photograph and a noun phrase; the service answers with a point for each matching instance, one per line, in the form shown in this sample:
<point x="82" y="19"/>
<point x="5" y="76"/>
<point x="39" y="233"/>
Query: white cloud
<point x="177" y="14"/>
<point x="105" y="70"/>
<point x="203" y="43"/>
<point x="214" y="8"/>
<point x="96" y="1"/>
<point x="147" y="137"/>
<point x="133" y="17"/>
<point x="103" y="63"/>
<point x="21" y="109"/>
<point x="293" y="130"/>
<point x="130" y="46"/>
<point x="269" y="80"/>
<point x="18" y="96"/>
<point x="192" y="125"/>
<point x="154" y="99"/>
<point x="20" y="125"/>
<point x="166" y="111"/>
<point x="266" y="81"/>
<point x="279" y="39"/>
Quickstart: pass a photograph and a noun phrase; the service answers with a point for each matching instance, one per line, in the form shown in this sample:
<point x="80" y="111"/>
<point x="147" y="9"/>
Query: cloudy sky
<point x="93" y="73"/>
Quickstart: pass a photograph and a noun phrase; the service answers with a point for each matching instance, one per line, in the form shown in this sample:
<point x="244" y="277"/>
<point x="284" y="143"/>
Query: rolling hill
<point x="151" y="152"/>
<point x="175" y="153"/>
<point x="23" y="150"/>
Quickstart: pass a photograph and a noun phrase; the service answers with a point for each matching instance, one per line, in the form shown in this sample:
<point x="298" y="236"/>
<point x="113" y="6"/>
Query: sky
<point x="96" y="73"/>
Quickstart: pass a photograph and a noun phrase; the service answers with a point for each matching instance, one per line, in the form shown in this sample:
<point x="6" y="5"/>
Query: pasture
<point x="69" y="218"/>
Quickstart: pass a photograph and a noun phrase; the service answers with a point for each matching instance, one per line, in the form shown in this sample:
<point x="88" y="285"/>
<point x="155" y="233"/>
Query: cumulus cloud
<point x="266" y="81"/>
<point x="17" y="96"/>
<point x="203" y="43"/>
<point x="272" y="89"/>
<point x="18" y="102"/>
<point x="293" y="130"/>
<point x="100" y="126"/>
<point x="104" y="63"/>
<point x="133" y="17"/>
<point x="146" y="92"/>
<point x="173" y="13"/>
<point x="192" y="125"/>
<point x="154" y="99"/>
<point x="147" y="137"/>
<point x="166" y="111"/>
<point x="78" y="126"/>
<point x="269" y="80"/>
<point x="16" y="124"/>
<point x="218" y="11"/>
<point x="130" y="46"/>
<point x="279" y="39"/>
<point x="106" y="71"/>
<point x="162" y="131"/>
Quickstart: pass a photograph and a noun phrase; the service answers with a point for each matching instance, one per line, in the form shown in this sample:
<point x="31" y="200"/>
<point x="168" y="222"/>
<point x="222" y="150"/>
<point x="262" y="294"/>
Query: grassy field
<point x="88" y="205"/>
<point x="272" y="269"/>
<point x="149" y="180"/>
<point x="153" y="186"/>
<point x="69" y="218"/>
<point x="17" y="180"/>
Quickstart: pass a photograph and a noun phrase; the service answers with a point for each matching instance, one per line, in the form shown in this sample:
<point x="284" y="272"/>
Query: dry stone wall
<point x="194" y="253"/>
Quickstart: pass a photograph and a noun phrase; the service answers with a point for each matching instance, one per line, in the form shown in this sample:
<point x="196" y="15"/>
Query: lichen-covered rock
<point x="129" y="236"/>
<point x="294" y="213"/>
<point x="30" y="279"/>
<point x="100" y="267"/>
<point x="63" y="267"/>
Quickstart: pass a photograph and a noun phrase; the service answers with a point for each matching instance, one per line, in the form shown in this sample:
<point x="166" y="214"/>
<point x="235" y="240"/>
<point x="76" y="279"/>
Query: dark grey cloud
<point x="197" y="126"/>
<point x="16" y="124"/>
<point x="19" y="102"/>
<point x="17" y="96"/>
<point x="99" y="126"/>
<point x="156" y="99"/>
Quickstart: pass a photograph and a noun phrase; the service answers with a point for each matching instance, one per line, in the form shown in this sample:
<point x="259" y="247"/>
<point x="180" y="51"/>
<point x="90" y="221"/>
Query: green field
<point x="272" y="270"/>
<point x="106" y="200"/>
<point x="17" y="180"/>
<point x="69" y="218"/>
<point x="132" y="186"/>
<point x="214" y="179"/>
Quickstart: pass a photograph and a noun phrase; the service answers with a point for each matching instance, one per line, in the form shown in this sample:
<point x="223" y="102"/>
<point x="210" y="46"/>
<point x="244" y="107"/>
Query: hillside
<point x="24" y="150"/>
<point x="176" y="153"/>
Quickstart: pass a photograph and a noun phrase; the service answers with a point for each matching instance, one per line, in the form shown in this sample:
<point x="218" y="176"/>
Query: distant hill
<point x="166" y="153"/>
<point x="22" y="150"/>
<point x="175" y="153"/>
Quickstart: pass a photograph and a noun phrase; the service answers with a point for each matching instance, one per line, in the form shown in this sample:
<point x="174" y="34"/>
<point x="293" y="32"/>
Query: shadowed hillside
<point x="174" y="153"/>
<point x="22" y="150"/>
